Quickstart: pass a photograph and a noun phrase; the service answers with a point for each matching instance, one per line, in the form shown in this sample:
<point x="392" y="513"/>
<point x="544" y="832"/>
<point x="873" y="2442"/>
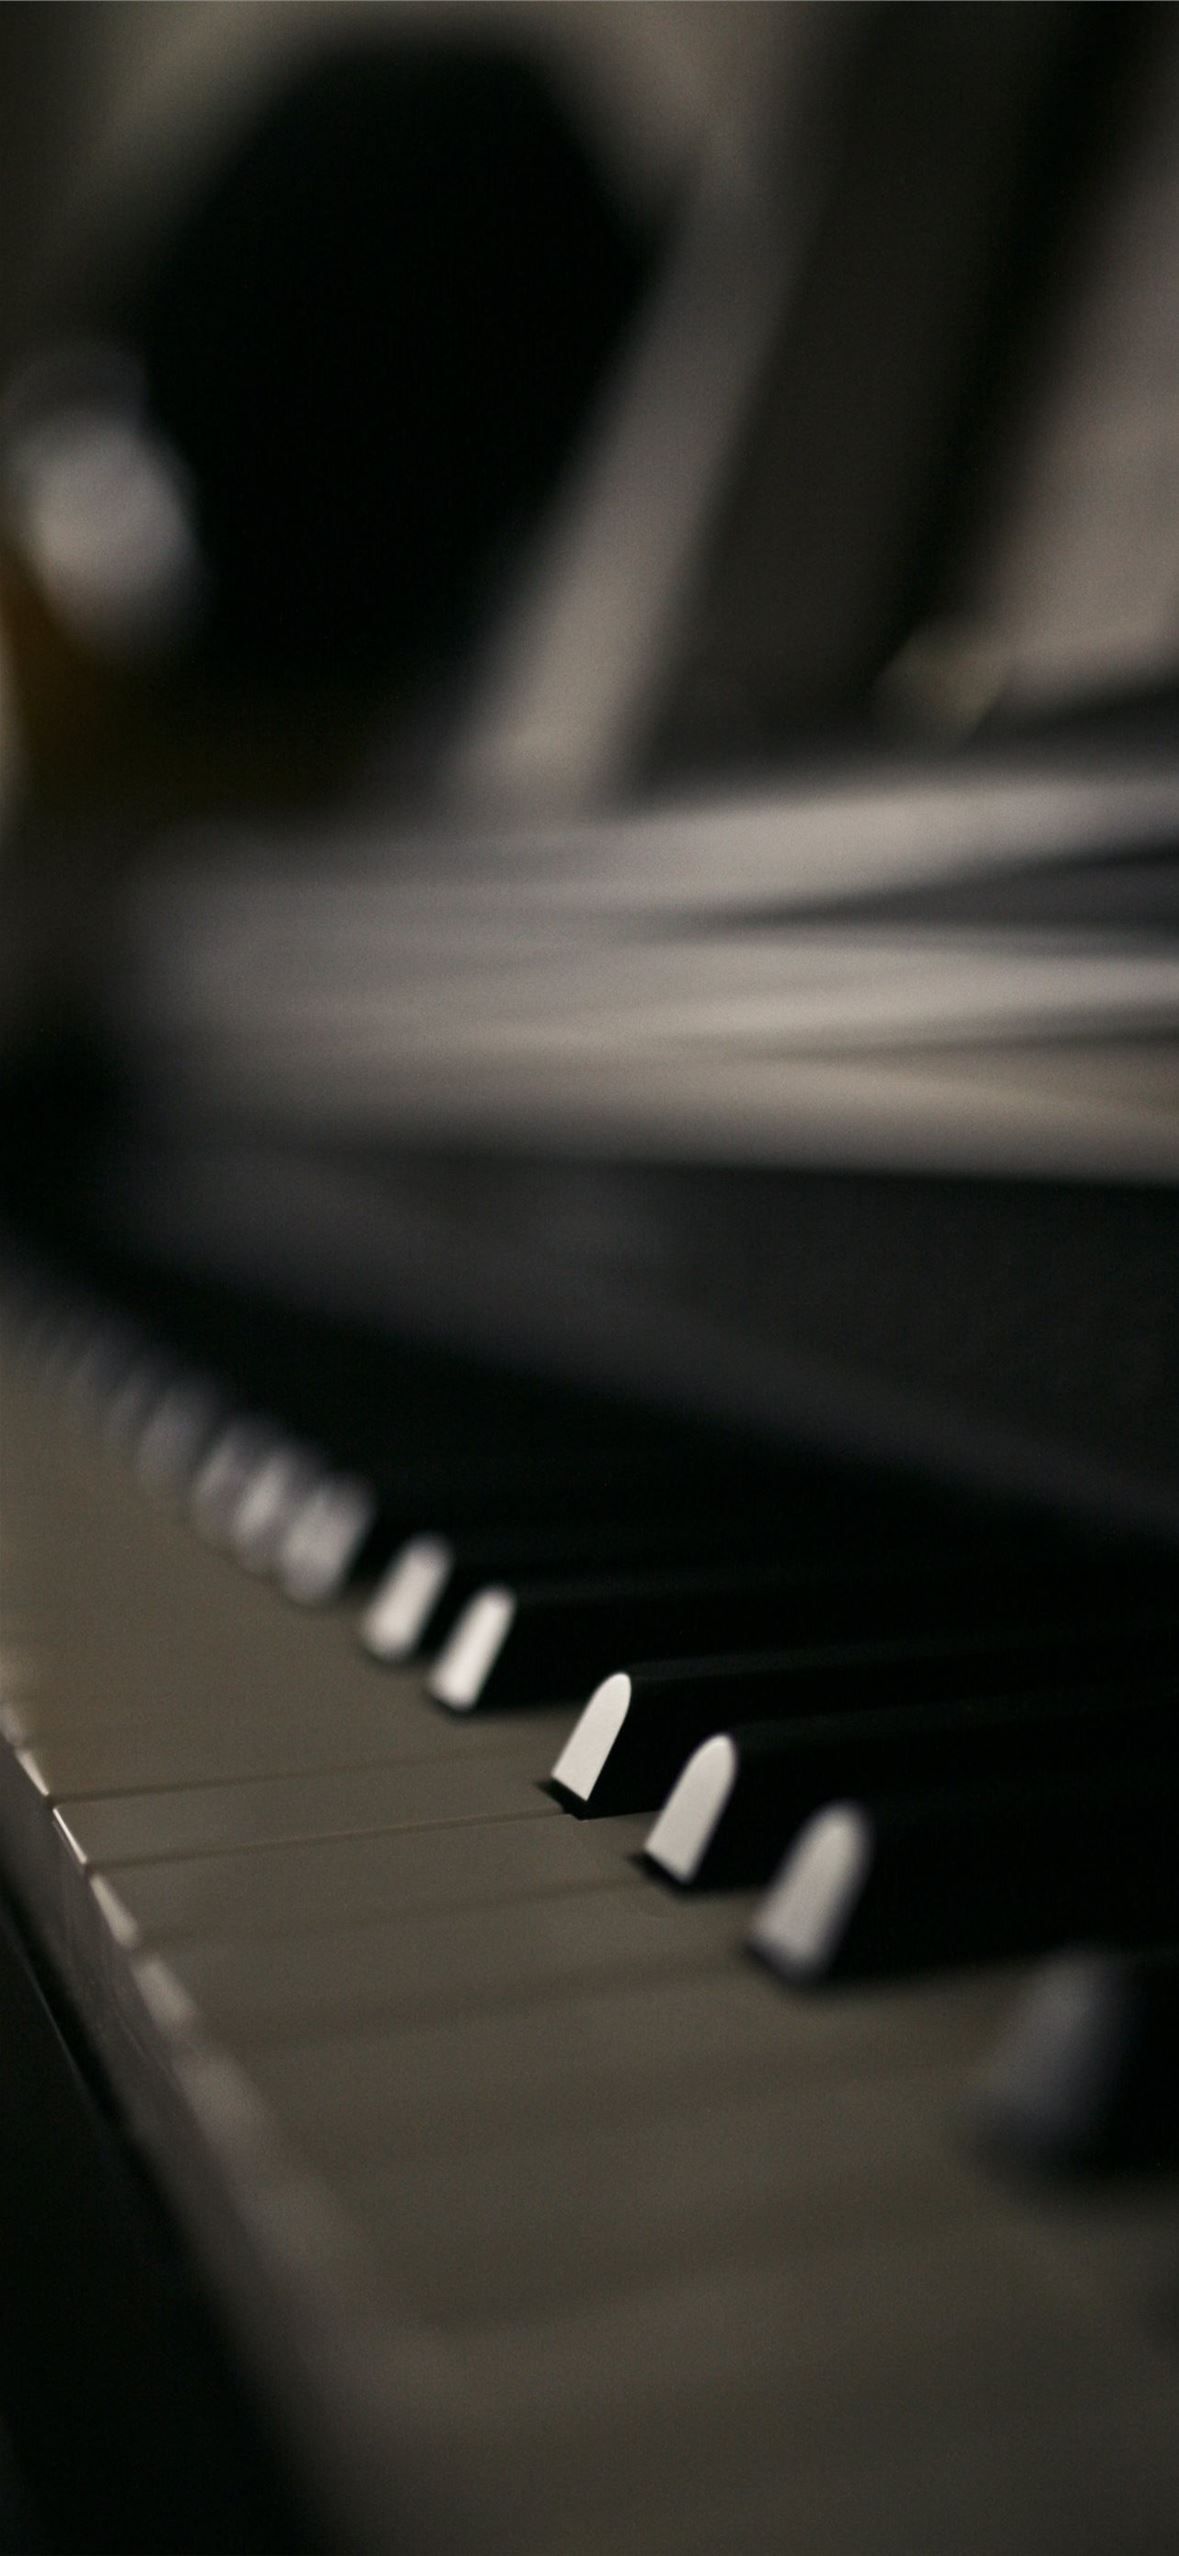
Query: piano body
<point x="709" y="1162"/>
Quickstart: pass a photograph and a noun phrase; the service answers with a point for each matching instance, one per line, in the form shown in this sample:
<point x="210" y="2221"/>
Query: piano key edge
<point x="365" y="2404"/>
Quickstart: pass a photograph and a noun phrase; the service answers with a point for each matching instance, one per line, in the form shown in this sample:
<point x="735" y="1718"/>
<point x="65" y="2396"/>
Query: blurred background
<point x="598" y="585"/>
<point x="526" y="407"/>
<point x="815" y="362"/>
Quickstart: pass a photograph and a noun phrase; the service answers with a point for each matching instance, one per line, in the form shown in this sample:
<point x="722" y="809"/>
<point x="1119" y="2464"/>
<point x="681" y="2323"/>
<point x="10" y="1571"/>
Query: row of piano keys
<point x="908" y="1737"/>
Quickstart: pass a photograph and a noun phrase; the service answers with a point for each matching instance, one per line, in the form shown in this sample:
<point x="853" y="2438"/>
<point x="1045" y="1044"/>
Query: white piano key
<point x="419" y="1965"/>
<point x="345" y="1802"/>
<point x="594" y="2057"/>
<point x="778" y="2173"/>
<point x="129" y="1760"/>
<point x="934" y="2387"/>
<point x="344" y="1881"/>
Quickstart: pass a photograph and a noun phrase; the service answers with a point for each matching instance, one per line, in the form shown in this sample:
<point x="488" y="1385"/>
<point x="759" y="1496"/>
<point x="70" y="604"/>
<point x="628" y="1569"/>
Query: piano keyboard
<point x="543" y="2220"/>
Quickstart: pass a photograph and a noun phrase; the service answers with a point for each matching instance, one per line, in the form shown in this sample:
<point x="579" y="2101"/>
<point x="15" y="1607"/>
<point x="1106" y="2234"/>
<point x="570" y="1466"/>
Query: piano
<point x="588" y="1514"/>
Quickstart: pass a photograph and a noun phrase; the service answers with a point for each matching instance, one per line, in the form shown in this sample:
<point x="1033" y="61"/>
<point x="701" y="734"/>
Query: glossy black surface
<point x="873" y="1886"/>
<point x="672" y="1705"/>
<point x="778" y="1772"/>
<point x="1086" y="2077"/>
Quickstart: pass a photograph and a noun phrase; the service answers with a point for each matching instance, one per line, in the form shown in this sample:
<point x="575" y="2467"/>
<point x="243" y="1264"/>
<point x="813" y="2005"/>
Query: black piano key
<point x="445" y="1434"/>
<point x="271" y="1500"/>
<point x="365" y="1532"/>
<point x="371" y="1398"/>
<point x="438" y="1439"/>
<point x="508" y="1491"/>
<point x="919" y="1881"/>
<point x="323" y="1547"/>
<point x="127" y="1406"/>
<point x="622" y="1530"/>
<point x="392" y="1411"/>
<point x="110" y="1349"/>
<point x="583" y="1523"/>
<point x="178" y="1433"/>
<point x="641" y="1725"/>
<point x="434" y="1576"/>
<point x="542" y="1640"/>
<point x="1086" y="2077"/>
<point x="241" y="1477"/>
<point x="238" y="1454"/>
<point x="744" y="1793"/>
<point x="545" y="1640"/>
<point x="408" y="1597"/>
